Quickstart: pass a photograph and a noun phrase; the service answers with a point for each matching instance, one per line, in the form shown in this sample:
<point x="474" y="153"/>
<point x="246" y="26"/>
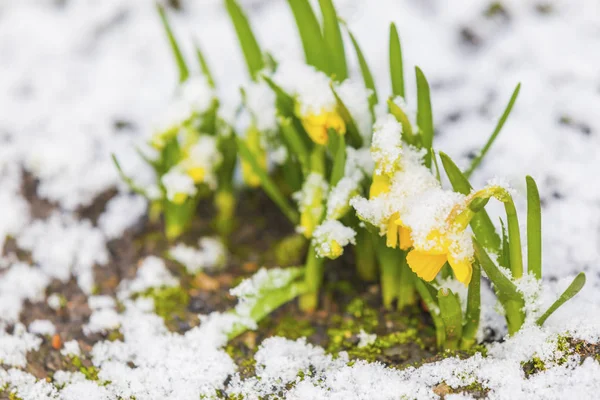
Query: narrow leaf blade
<point x="534" y="229"/>
<point x="424" y="114"/>
<point x="267" y="184"/>
<point x="339" y="162"/>
<point x="396" y="63"/>
<point x="184" y="71"/>
<point x="354" y="137"/>
<point x="366" y="72"/>
<point x="477" y="160"/>
<point x="568" y="294"/>
<point x="248" y="42"/>
<point x="204" y="65"/>
<point x="332" y="36"/>
<point x="506" y="290"/>
<point x="310" y="34"/>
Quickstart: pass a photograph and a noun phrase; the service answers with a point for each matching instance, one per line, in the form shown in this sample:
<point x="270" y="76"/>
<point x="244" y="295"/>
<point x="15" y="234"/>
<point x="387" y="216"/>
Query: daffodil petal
<point x="425" y="265"/>
<point x="405" y="238"/>
<point x="463" y="269"/>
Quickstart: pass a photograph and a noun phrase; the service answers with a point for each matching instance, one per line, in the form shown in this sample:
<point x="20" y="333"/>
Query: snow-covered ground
<point x="81" y="79"/>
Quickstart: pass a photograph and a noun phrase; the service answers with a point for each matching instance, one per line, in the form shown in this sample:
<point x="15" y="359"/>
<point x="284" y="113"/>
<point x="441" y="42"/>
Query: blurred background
<point x="81" y="79"/>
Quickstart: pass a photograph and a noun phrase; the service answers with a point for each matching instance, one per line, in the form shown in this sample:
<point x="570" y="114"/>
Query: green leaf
<point x="514" y="239"/>
<point x="364" y="256"/>
<point x="132" y="185"/>
<point x="314" y="46"/>
<point x="505" y="288"/>
<point x="396" y="63"/>
<point x="424" y="114"/>
<point x="569" y="293"/>
<point x="407" y="132"/>
<point x="204" y="65"/>
<point x="389" y="267"/>
<point x="184" y="71"/>
<point x="406" y="284"/>
<point x="285" y="102"/>
<point x="451" y="314"/>
<point x="366" y="74"/>
<point x="429" y="297"/>
<point x="267" y="184"/>
<point x="228" y="149"/>
<point x="473" y="309"/>
<point x="332" y="36"/>
<point x="475" y="163"/>
<point x="339" y="161"/>
<point x="354" y="137"/>
<point x="178" y="217"/>
<point x="250" y="47"/>
<point x="435" y="164"/>
<point x="534" y="229"/>
<point x="294" y="142"/>
<point x="506" y="291"/>
<point x="504" y="259"/>
<point x="481" y="223"/>
<point x="313" y="278"/>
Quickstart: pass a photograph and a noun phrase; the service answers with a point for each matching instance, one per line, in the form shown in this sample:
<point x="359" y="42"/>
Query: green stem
<point x="406" y="285"/>
<point x="364" y="252"/>
<point x="313" y="279"/>
<point x="451" y="314"/>
<point x="429" y="298"/>
<point x="389" y="263"/>
<point x="473" y="309"/>
<point x="514" y="236"/>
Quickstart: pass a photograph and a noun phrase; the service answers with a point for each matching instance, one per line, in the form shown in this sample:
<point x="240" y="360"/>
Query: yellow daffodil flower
<point x="254" y="145"/>
<point x="380" y="185"/>
<point x="444" y="247"/>
<point x="317" y="125"/>
<point x="179" y="198"/>
<point x="196" y="173"/>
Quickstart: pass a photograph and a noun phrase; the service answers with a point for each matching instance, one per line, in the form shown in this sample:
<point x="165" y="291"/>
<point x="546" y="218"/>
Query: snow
<point x="211" y="254"/>
<point x="330" y="236"/>
<point x="72" y="100"/>
<point x="122" y="211"/>
<point x="151" y="273"/>
<point x="63" y="246"/>
<point x="14" y="347"/>
<point x="71" y="348"/>
<point x="177" y="183"/>
<point x="42" y="327"/>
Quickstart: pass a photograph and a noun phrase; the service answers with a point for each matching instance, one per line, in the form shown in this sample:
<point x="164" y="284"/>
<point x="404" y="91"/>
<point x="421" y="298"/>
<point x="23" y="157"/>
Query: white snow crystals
<point x="330" y="237"/>
<point x="179" y="185"/>
<point x="63" y="246"/>
<point x="211" y="254"/>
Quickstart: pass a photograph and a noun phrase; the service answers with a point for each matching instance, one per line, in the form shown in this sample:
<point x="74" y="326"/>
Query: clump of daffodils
<point x="188" y="157"/>
<point x="409" y="207"/>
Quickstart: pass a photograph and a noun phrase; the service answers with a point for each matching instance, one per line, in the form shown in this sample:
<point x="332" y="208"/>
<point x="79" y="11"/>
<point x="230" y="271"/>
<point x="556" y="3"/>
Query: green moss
<point x="169" y="302"/>
<point x="292" y="328"/>
<point x="90" y="373"/>
<point x="344" y="328"/>
<point x="377" y="348"/>
<point x="533" y="366"/>
<point x="289" y="250"/>
<point x="114" y="335"/>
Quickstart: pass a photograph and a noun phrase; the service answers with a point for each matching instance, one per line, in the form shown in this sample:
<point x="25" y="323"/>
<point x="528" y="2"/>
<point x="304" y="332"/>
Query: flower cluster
<point x="307" y="134"/>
